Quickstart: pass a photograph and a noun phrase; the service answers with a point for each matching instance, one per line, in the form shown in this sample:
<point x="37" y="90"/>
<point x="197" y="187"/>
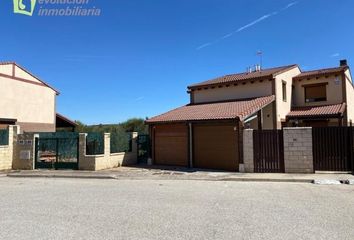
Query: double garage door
<point x="215" y="146"/>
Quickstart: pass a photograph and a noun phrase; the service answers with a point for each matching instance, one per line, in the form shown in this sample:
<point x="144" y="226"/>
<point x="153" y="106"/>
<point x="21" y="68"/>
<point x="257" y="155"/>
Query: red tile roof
<point x="321" y="72"/>
<point x="263" y="74"/>
<point x="240" y="109"/>
<point x="317" y="111"/>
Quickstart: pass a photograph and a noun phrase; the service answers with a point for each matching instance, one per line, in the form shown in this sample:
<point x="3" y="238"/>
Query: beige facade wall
<point x="107" y="160"/>
<point x="7" y="152"/>
<point x="284" y="107"/>
<point x="248" y="154"/>
<point x="334" y="90"/>
<point x="249" y="90"/>
<point x="20" y="73"/>
<point x="6" y="69"/>
<point x="298" y="156"/>
<point x="350" y="97"/>
<point x="267" y="118"/>
<point x="28" y="103"/>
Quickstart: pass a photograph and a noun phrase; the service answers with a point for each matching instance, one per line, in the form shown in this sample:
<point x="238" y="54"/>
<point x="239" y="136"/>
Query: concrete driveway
<point x="179" y="209"/>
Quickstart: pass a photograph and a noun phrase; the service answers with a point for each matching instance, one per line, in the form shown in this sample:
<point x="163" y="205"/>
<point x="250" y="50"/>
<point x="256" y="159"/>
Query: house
<point x="207" y="133"/>
<point x="26" y="100"/>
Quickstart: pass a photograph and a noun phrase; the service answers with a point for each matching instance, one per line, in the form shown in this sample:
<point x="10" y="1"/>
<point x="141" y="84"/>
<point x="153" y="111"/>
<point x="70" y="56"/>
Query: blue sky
<point x="136" y="59"/>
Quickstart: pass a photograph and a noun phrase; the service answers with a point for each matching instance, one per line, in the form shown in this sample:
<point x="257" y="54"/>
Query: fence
<point x="333" y="148"/>
<point x="95" y="144"/>
<point x="4" y="137"/>
<point x="121" y="142"/>
<point x="268" y="151"/>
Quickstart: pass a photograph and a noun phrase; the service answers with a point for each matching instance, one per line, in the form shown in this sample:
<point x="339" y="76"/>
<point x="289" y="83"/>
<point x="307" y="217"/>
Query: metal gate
<point x="57" y="151"/>
<point x="143" y="148"/>
<point x="333" y="148"/>
<point x="268" y="149"/>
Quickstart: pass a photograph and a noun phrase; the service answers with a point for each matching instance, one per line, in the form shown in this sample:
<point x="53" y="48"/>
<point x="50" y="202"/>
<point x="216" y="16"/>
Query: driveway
<point x="133" y="209"/>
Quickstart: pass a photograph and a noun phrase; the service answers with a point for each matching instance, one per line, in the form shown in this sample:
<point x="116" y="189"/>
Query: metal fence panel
<point x="95" y="144"/>
<point x="121" y="142"/>
<point x="333" y="148"/>
<point x="4" y="137"/>
<point x="268" y="151"/>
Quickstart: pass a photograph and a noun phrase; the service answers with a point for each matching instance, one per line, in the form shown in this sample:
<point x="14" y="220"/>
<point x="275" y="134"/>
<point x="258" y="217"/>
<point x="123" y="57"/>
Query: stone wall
<point x="107" y="160"/>
<point x="298" y="156"/>
<point x="248" y="160"/>
<point x="24" y="152"/>
<point x="7" y="152"/>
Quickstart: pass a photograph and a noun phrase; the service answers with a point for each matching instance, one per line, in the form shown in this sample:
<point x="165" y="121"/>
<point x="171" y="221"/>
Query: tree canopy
<point x="131" y="125"/>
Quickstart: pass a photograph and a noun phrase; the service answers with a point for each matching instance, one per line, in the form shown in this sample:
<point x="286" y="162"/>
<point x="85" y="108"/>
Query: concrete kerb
<point x="172" y="176"/>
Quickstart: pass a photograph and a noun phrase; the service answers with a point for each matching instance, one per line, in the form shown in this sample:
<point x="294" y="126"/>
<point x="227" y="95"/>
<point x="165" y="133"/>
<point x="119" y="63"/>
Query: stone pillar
<point x="134" y="147"/>
<point x="248" y="155"/>
<point x="107" y="144"/>
<point x="298" y="156"/>
<point x="24" y="151"/>
<point x="85" y="162"/>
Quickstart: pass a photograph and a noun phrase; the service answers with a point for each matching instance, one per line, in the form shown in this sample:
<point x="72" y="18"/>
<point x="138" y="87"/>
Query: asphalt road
<point x="128" y="209"/>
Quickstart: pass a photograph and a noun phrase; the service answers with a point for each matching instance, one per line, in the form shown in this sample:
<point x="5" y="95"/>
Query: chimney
<point x="257" y="68"/>
<point x="343" y="63"/>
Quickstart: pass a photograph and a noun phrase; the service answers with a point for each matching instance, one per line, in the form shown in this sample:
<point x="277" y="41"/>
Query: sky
<point x="137" y="58"/>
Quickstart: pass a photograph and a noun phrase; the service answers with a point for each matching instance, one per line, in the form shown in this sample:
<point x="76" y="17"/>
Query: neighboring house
<point x="207" y="133"/>
<point x="25" y="100"/>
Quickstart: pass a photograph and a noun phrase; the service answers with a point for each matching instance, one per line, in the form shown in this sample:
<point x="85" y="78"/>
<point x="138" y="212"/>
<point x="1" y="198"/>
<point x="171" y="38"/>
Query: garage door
<point x="171" y="145"/>
<point x="215" y="147"/>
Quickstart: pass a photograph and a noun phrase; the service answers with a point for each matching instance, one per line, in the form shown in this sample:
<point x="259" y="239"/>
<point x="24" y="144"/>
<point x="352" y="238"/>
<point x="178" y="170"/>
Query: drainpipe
<point x="190" y="145"/>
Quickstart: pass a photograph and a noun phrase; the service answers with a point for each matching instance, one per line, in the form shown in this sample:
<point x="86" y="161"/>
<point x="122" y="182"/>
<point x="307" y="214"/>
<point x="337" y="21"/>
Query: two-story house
<point x="207" y="133"/>
<point x="27" y="101"/>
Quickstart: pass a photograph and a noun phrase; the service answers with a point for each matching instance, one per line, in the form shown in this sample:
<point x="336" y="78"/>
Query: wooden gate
<point x="268" y="150"/>
<point x="333" y="148"/>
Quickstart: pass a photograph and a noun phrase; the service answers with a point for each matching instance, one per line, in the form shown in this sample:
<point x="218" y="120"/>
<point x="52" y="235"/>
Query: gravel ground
<point x="131" y="209"/>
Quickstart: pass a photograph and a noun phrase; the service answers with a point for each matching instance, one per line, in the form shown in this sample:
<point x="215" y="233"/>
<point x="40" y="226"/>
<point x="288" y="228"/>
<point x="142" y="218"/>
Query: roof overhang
<point x="317" y="112"/>
<point x="237" y="110"/>
<point x="64" y="122"/>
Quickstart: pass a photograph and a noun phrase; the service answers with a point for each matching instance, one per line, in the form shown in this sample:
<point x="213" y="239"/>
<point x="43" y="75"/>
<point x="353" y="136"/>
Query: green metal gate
<point x="57" y="151"/>
<point x="143" y="148"/>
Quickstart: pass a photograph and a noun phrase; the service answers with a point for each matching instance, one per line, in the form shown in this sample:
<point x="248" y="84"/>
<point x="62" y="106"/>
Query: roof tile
<point x="264" y="73"/>
<point x="317" y="111"/>
<point x="214" y="111"/>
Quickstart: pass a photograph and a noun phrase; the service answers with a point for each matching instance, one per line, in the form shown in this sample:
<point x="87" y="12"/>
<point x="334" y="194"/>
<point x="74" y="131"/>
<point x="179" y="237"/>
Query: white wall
<point x="350" y="97"/>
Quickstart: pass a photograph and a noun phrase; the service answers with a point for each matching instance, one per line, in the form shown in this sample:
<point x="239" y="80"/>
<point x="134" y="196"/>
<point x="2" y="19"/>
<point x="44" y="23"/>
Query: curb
<point x="61" y="176"/>
<point x="68" y="176"/>
<point x="267" y="180"/>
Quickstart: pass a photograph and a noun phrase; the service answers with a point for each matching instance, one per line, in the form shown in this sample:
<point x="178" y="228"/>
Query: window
<point x="284" y="91"/>
<point x="315" y="93"/>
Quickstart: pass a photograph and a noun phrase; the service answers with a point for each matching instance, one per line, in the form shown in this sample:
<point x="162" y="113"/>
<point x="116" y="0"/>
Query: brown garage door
<point x="215" y="147"/>
<point x="171" y="145"/>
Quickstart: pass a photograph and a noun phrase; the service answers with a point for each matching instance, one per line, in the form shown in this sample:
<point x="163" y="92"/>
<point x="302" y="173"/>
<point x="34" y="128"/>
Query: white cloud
<point x="335" y="55"/>
<point x="258" y="20"/>
<point x="139" y="99"/>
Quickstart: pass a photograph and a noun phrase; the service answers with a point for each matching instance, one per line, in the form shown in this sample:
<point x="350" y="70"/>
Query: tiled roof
<point x="264" y="73"/>
<point x="321" y="72"/>
<point x="214" y="111"/>
<point x="317" y="111"/>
